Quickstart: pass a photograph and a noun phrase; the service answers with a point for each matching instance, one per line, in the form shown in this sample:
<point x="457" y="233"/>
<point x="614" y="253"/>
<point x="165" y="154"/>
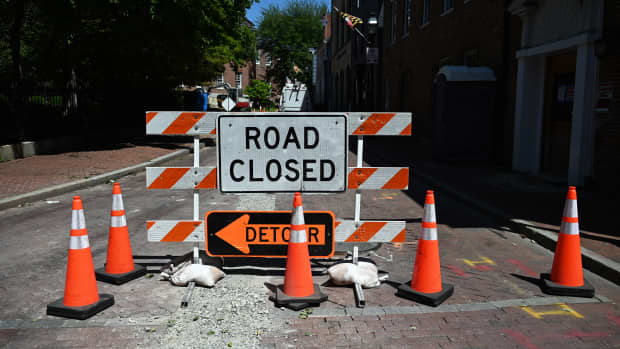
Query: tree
<point x="128" y="41"/>
<point x="112" y="44"/>
<point x="259" y="91"/>
<point x="288" y="34"/>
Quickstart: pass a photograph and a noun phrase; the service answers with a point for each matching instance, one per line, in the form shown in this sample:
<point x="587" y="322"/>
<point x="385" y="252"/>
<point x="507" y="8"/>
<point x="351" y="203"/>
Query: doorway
<point x="557" y="113"/>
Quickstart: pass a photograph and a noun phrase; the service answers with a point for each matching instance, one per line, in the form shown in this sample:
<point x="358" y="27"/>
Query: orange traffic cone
<point x="298" y="291"/>
<point x="566" y="277"/>
<point x="81" y="299"/>
<point x="425" y="286"/>
<point x="119" y="267"/>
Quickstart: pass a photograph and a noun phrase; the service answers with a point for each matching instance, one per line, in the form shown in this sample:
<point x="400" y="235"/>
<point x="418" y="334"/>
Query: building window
<point x="258" y="58"/>
<point x="448" y="6"/>
<point x="238" y="80"/>
<point x="394" y="18"/>
<point x="268" y="59"/>
<point x="426" y="12"/>
<point x="219" y="79"/>
<point x="408" y="17"/>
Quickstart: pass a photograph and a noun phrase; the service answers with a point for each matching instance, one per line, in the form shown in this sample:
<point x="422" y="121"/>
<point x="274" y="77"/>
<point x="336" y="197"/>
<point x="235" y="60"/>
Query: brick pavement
<point x="510" y="327"/>
<point x="494" y="272"/>
<point x="465" y="236"/>
<point x="40" y="171"/>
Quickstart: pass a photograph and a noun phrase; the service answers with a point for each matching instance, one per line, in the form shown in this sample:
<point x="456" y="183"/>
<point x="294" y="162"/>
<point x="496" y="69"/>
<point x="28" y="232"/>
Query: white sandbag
<point x="364" y="273"/>
<point x="203" y="275"/>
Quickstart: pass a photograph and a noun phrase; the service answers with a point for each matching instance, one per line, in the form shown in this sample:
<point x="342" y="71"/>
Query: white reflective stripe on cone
<point x="569" y="228"/>
<point x="429" y="213"/>
<point x="79" y="242"/>
<point x="570" y="209"/>
<point x="298" y="236"/>
<point x="429" y="233"/>
<point x="298" y="216"/>
<point x="77" y="219"/>
<point x="118" y="221"/>
<point x="117" y="202"/>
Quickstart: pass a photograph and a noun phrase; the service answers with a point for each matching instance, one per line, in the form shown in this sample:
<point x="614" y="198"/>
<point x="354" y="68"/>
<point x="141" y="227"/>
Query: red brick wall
<point x="607" y="136"/>
<point x="475" y="25"/>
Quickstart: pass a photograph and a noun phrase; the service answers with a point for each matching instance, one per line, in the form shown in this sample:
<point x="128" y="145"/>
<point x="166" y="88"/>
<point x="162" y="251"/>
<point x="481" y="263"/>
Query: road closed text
<point x="275" y="169"/>
<point x="283" y="154"/>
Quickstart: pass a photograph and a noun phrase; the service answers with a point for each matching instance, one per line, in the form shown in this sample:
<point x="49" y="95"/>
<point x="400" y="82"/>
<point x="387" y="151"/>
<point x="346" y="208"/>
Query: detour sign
<point x="265" y="233"/>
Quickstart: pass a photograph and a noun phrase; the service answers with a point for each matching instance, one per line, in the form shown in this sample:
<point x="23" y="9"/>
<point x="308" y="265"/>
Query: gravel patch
<point x="233" y="314"/>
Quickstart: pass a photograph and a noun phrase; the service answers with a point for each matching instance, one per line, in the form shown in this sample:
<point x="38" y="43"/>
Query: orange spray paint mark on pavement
<point x="524" y="268"/>
<point x="458" y="271"/>
<point x="579" y="334"/>
<point x="520" y="338"/>
<point x="613" y="317"/>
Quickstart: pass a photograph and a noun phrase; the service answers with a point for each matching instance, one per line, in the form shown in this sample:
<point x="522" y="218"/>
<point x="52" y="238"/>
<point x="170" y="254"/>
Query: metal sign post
<point x="196" y="255"/>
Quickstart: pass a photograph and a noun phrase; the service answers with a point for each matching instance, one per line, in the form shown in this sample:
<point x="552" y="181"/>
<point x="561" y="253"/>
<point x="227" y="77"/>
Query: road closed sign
<point x="282" y="152"/>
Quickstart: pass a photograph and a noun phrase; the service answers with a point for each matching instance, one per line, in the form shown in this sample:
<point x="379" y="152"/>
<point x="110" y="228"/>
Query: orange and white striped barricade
<point x="198" y="177"/>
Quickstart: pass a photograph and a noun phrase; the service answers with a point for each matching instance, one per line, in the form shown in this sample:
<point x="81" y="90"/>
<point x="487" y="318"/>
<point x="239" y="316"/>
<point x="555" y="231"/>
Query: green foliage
<point x="132" y="42"/>
<point x="53" y="101"/>
<point x="258" y="91"/>
<point x="288" y="33"/>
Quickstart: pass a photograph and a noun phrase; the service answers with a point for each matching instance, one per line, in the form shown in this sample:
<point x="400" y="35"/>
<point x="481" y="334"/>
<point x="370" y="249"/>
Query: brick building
<point x="240" y="77"/>
<point x="355" y="83"/>
<point x="422" y="36"/>
<point x="556" y="72"/>
<point x="322" y="70"/>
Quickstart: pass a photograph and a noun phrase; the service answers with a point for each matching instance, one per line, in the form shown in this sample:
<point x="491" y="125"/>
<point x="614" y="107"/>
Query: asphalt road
<point x="493" y="270"/>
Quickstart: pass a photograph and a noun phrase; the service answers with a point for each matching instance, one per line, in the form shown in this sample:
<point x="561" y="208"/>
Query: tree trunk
<point x="16" y="102"/>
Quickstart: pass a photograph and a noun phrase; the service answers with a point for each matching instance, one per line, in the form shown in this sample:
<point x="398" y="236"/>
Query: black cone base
<point x="297" y="303"/>
<point x="119" y="279"/>
<point x="550" y="287"/>
<point x="432" y="299"/>
<point x="57" y="308"/>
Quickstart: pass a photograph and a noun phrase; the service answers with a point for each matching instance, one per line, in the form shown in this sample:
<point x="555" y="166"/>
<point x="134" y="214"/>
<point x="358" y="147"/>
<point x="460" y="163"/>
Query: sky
<point x="253" y="13"/>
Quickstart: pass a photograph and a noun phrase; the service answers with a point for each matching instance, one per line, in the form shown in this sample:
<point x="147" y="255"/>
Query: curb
<point x="602" y="266"/>
<point x="83" y="183"/>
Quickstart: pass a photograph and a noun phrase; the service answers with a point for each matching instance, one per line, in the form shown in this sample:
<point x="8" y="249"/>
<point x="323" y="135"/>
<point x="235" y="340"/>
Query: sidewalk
<point x="23" y="176"/>
<point x="527" y="200"/>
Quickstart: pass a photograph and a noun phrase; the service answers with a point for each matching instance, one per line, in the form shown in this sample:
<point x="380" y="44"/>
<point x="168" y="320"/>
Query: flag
<point x="351" y="20"/>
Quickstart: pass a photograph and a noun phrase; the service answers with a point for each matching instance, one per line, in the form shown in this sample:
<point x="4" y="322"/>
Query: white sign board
<point x="282" y="152"/>
<point x="228" y="104"/>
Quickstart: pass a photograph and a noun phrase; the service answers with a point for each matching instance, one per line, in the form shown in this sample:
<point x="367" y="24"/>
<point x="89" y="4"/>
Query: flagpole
<point x="362" y="35"/>
<point x="353" y="27"/>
